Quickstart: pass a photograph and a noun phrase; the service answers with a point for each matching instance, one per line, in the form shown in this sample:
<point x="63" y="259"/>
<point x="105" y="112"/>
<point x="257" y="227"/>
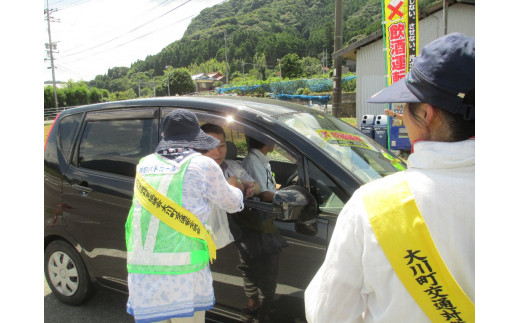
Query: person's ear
<point x="427" y="112"/>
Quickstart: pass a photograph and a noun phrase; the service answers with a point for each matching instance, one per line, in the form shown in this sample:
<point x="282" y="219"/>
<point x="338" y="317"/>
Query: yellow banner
<point x="172" y="214"/>
<point x="401" y="30"/>
<point x="341" y="138"/>
<point x="404" y="237"/>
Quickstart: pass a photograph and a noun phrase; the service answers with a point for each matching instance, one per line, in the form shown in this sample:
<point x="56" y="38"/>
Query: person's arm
<point x="219" y="191"/>
<point x="266" y="196"/>
<point x="392" y="113"/>
<point x="335" y="292"/>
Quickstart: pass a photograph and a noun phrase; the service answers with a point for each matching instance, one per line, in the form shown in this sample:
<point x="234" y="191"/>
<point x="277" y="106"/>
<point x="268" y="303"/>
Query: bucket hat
<point x="181" y="129"/>
<point x="443" y="75"/>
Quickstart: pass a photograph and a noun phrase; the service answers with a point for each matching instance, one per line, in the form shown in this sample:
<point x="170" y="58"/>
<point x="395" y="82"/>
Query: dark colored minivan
<point x="90" y="162"/>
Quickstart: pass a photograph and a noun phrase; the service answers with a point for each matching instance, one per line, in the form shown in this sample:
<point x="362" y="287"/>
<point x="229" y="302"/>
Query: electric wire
<point x="132" y="40"/>
<point x="117" y="37"/>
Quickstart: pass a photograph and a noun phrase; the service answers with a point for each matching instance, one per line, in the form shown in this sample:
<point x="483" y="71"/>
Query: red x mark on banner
<point x="395" y="10"/>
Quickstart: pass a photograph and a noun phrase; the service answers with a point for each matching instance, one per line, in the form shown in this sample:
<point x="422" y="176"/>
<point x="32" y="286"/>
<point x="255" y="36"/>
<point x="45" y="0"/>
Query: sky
<point x="95" y="35"/>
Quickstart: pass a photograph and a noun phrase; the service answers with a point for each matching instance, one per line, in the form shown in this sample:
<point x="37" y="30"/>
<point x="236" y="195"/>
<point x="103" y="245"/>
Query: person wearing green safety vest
<point x="403" y="248"/>
<point x="169" y="245"/>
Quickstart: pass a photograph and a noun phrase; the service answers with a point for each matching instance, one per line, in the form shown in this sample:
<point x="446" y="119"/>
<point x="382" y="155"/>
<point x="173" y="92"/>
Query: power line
<point x="132" y="40"/>
<point x="103" y="34"/>
<point x="71" y="5"/>
<point x="128" y="32"/>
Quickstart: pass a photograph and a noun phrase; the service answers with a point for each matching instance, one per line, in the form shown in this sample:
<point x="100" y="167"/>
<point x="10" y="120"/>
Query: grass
<point x="350" y="121"/>
<point x="46" y="129"/>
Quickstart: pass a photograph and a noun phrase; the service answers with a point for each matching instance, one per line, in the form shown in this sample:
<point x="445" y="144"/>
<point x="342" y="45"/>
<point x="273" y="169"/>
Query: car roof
<point x="266" y="107"/>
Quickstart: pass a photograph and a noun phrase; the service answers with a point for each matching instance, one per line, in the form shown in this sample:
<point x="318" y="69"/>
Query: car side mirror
<point x="294" y="203"/>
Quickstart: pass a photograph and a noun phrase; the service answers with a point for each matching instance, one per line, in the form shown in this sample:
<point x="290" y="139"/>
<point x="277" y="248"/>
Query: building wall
<point x="371" y="60"/>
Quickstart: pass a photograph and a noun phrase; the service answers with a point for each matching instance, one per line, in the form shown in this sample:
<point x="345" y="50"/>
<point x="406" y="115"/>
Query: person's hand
<point x="394" y="114"/>
<point x="234" y="181"/>
<point x="249" y="189"/>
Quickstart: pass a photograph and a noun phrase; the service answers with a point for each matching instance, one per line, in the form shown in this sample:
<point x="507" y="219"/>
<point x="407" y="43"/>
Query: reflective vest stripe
<point x="404" y="237"/>
<point x="172" y="214"/>
<point x="149" y="241"/>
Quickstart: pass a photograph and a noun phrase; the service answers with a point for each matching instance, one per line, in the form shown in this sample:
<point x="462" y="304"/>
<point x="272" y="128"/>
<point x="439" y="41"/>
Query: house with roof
<point x="204" y="81"/>
<point x="369" y="55"/>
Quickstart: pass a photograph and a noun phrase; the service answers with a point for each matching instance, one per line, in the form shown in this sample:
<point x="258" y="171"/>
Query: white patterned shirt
<point x="219" y="222"/>
<point x="159" y="297"/>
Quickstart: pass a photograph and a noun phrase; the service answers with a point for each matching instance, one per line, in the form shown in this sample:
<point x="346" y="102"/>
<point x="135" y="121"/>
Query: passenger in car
<point x="232" y="171"/>
<point x="168" y="246"/>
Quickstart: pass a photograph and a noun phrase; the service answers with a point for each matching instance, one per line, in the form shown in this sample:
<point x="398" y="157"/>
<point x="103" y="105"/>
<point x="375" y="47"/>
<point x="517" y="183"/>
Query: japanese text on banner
<point x="401" y="37"/>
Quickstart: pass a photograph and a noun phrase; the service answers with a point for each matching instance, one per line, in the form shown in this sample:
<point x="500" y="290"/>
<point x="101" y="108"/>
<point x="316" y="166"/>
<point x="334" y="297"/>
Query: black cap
<point x="443" y="75"/>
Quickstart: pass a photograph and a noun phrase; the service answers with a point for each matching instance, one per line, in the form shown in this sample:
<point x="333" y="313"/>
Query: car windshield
<point x="355" y="151"/>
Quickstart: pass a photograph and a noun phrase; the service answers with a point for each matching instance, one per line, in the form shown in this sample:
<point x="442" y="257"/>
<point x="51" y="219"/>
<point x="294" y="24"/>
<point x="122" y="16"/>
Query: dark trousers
<point x="260" y="275"/>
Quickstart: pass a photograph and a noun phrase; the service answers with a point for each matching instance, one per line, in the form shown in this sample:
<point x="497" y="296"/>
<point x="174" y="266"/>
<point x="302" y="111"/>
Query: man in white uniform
<point x="359" y="280"/>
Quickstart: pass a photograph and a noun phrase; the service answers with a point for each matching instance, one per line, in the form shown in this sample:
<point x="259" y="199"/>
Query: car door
<point x="306" y="248"/>
<point x="98" y="187"/>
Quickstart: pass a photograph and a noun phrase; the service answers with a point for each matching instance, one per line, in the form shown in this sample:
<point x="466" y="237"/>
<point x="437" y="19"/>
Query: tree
<point x="291" y="66"/>
<point x="139" y="81"/>
<point x="180" y="81"/>
<point x="117" y="72"/>
<point x="310" y="66"/>
<point x="96" y="95"/>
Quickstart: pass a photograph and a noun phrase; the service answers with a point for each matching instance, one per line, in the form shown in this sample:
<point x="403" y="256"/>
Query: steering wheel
<point x="291" y="177"/>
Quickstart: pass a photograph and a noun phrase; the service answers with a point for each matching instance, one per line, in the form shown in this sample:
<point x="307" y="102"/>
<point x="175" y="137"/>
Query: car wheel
<point x="66" y="274"/>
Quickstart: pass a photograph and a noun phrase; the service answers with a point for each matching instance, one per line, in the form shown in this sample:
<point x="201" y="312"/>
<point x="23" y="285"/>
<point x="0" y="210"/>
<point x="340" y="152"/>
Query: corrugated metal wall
<point x="371" y="61"/>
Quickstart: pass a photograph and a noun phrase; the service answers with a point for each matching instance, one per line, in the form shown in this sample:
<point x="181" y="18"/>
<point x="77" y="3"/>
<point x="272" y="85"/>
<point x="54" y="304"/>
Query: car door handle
<point x="82" y="188"/>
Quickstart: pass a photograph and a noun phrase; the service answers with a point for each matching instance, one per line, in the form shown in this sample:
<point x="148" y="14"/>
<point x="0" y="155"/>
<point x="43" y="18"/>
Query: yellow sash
<point x="406" y="241"/>
<point x="172" y="214"/>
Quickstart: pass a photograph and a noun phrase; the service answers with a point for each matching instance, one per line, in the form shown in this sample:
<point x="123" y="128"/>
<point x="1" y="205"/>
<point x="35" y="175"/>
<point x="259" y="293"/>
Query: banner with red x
<point x="401" y="39"/>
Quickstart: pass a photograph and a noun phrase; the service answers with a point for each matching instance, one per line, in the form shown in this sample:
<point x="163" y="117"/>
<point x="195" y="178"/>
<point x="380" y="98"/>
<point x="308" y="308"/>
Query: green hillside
<point x="260" y="37"/>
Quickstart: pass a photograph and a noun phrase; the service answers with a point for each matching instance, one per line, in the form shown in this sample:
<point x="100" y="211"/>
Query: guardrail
<point x="50" y="114"/>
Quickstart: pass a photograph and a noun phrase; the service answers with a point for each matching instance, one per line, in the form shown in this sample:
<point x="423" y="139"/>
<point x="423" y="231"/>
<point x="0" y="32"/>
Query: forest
<point x="252" y="40"/>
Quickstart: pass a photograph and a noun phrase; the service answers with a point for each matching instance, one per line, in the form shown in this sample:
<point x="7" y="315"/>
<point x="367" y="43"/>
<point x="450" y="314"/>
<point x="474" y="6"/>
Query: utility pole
<point x="225" y="54"/>
<point x="445" y="14"/>
<point x="326" y="57"/>
<point x="51" y="45"/>
<point x="336" y="95"/>
<point x="279" y="67"/>
<point x="168" y="75"/>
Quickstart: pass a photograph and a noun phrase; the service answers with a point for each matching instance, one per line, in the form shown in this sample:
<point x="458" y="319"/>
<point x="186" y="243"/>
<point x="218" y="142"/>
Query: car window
<point x="67" y="130"/>
<point x="361" y="155"/>
<point x="329" y="197"/>
<point x="115" y="146"/>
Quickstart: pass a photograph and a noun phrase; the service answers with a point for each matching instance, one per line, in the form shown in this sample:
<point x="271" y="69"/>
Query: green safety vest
<point x="153" y="247"/>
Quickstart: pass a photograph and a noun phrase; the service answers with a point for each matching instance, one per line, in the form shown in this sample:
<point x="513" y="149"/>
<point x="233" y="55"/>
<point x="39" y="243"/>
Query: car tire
<point x="66" y="274"/>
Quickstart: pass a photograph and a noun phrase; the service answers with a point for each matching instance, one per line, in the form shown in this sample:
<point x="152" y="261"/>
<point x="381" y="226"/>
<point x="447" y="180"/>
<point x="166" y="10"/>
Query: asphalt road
<point x="105" y="306"/>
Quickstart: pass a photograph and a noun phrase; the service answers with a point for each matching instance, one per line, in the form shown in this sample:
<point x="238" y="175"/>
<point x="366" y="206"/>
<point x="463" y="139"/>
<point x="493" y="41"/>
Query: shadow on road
<point x="105" y="306"/>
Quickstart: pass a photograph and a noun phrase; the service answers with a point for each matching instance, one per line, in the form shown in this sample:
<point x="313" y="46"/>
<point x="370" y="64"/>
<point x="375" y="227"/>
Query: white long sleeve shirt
<point x="356" y="282"/>
<point x="158" y="297"/>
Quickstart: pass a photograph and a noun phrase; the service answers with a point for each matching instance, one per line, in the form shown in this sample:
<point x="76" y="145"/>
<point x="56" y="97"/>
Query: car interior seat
<point x="231" y="150"/>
